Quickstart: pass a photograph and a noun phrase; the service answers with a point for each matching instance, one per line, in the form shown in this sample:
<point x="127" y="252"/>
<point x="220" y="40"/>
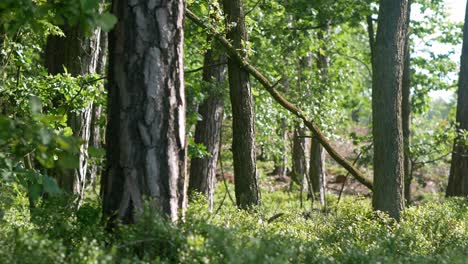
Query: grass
<point x="278" y="232"/>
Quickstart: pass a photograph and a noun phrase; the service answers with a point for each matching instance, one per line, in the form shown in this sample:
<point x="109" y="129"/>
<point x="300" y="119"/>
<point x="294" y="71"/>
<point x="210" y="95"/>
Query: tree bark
<point x="96" y="138"/>
<point x="79" y="55"/>
<point x="317" y="154"/>
<point x="406" y="111"/>
<point x="386" y="108"/>
<point x="243" y="125"/>
<point x="299" y="166"/>
<point x="458" y="178"/>
<point x="208" y="130"/>
<point x="145" y="136"/>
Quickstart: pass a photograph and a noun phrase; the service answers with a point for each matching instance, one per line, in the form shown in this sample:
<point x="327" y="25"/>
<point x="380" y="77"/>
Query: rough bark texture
<point x="243" y="130"/>
<point x="458" y="179"/>
<point x="406" y="111"/>
<point x="79" y="55"/>
<point x="208" y="130"/>
<point x="145" y="136"/>
<point x="386" y="108"/>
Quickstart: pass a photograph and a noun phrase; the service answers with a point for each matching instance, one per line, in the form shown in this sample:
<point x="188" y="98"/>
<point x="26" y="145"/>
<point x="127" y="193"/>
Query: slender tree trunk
<point x="386" y="108"/>
<point x="281" y="161"/>
<point x="317" y="154"/>
<point x="96" y="129"/>
<point x="317" y="173"/>
<point x="406" y="111"/>
<point x="299" y="167"/>
<point x="79" y="55"/>
<point x="146" y="145"/>
<point x="458" y="178"/>
<point x="208" y="130"/>
<point x="243" y="142"/>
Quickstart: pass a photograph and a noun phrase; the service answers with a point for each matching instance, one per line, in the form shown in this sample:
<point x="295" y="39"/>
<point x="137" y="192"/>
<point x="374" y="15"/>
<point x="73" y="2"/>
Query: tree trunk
<point x="317" y="154"/>
<point x="208" y="130"/>
<point x="299" y="167"/>
<point x="386" y="108"/>
<point x="243" y="125"/>
<point x="80" y="56"/>
<point x="406" y="111"/>
<point x="281" y="161"/>
<point x="145" y="135"/>
<point x="458" y="178"/>
<point x="317" y="170"/>
<point x="96" y="129"/>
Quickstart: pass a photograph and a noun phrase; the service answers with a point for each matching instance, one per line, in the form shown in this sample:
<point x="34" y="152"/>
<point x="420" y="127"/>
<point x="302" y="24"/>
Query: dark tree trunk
<point x="458" y="178"/>
<point x="317" y="173"/>
<point x="208" y="130"/>
<point x="145" y="136"/>
<point x="79" y="55"/>
<point x="406" y="111"/>
<point x="386" y="108"/>
<point x="243" y="130"/>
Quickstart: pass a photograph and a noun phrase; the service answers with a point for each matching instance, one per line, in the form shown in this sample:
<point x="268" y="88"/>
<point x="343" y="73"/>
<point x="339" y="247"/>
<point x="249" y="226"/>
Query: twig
<point x="347" y="174"/>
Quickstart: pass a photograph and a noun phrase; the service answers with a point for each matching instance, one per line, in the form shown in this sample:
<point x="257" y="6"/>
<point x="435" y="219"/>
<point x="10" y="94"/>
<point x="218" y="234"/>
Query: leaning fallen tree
<point x="270" y="87"/>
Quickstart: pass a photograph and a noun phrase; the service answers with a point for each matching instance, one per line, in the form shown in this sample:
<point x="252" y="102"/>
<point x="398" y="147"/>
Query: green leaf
<point x="68" y="161"/>
<point x="35" y="104"/>
<point x="88" y="5"/>
<point x="50" y="185"/>
<point x="106" y="21"/>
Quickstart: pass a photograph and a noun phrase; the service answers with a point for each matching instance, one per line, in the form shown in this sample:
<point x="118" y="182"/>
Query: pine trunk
<point x="208" y="130"/>
<point x="386" y="108"/>
<point x="145" y="135"/>
<point x="458" y="178"/>
<point x="243" y="124"/>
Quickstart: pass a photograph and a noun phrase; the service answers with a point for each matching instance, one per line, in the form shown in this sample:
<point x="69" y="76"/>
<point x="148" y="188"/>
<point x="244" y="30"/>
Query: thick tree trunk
<point x="406" y="111"/>
<point x="79" y="55"/>
<point x="243" y="130"/>
<point x="145" y="136"/>
<point x="458" y="178"/>
<point x="386" y="108"/>
<point x="208" y="130"/>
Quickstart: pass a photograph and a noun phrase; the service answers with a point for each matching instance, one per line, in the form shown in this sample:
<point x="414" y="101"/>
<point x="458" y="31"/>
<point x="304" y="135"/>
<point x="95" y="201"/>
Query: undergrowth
<point x="278" y="232"/>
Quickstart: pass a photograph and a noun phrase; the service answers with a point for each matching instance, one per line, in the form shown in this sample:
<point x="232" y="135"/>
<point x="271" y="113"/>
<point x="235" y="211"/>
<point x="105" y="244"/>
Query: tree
<point x="387" y="80"/>
<point x="208" y="130"/>
<point x="458" y="178"/>
<point x="243" y="128"/>
<point x="317" y="153"/>
<point x="146" y="145"/>
<point x="406" y="110"/>
<point x="80" y="55"/>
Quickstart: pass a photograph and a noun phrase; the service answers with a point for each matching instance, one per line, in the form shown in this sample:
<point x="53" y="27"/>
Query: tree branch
<point x="281" y="100"/>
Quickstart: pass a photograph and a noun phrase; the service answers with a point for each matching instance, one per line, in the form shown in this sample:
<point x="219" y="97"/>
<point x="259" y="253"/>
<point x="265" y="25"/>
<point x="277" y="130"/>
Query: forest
<point x="233" y="131"/>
